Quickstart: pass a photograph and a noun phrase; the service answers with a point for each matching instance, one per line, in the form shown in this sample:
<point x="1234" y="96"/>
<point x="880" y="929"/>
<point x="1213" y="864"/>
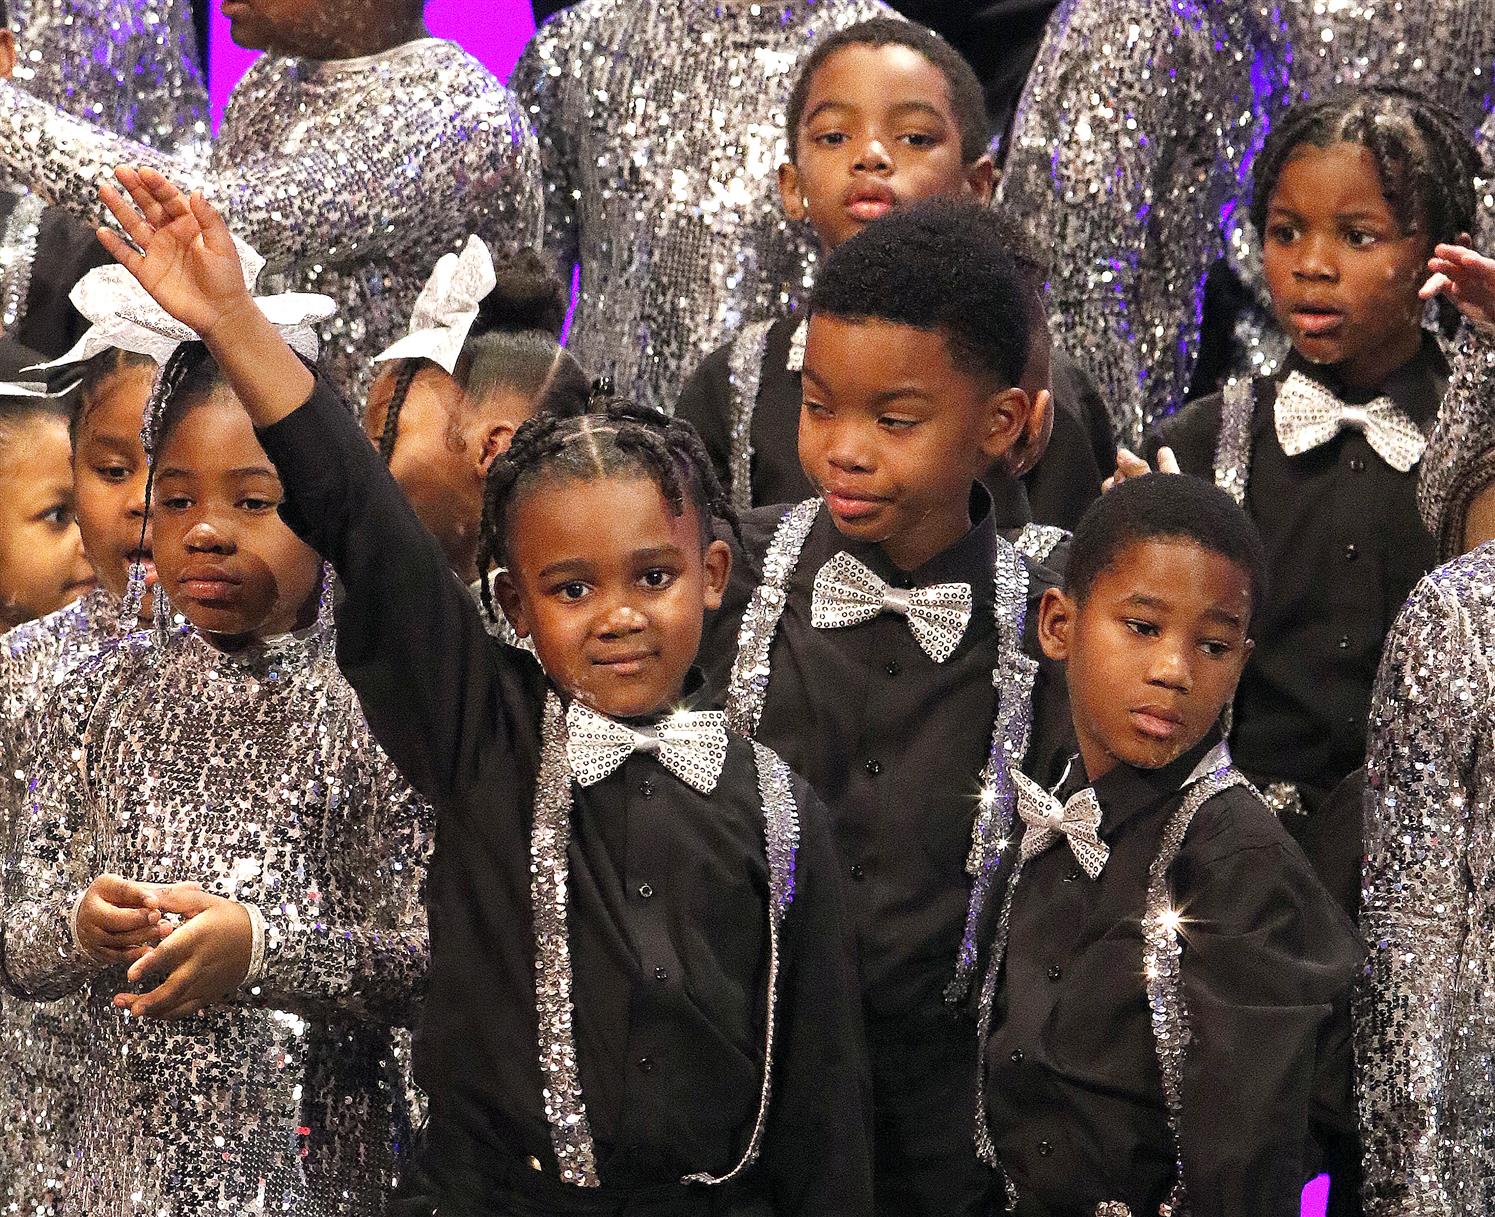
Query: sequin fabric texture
<point x="1124" y="159"/>
<point x="661" y="130"/>
<point x="41" y="1045"/>
<point x="1425" y="1018"/>
<point x="1460" y="457"/>
<point x="351" y="177"/>
<point x="131" y="66"/>
<point x="255" y="775"/>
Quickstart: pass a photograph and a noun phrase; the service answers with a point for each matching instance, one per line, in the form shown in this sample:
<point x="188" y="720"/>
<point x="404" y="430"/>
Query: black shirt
<point x="1074" y="1094"/>
<point x="1066" y="480"/>
<point x="66" y="250"/>
<point x="669" y="890"/>
<point x="1345" y="546"/>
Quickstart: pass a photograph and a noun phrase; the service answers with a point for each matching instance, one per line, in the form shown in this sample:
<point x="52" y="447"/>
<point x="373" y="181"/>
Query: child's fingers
<point x="119" y="249"/>
<point x="164" y="194"/>
<point x="139" y="193"/>
<point x="215" y="233"/>
<point x="127" y="215"/>
<point x="165" y="996"/>
<point x="124" y="893"/>
<point x="111" y="919"/>
<point x="186" y="899"/>
<point x="1438" y="283"/>
<point x="1167" y="462"/>
<point x="174" y="951"/>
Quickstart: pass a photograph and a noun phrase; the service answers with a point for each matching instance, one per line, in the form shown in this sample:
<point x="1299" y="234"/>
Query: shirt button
<point x="1073" y="876"/>
<point x="1344" y="642"/>
<point x="1055" y="972"/>
<point x="857" y="873"/>
<point x="873" y="767"/>
<point x="1044" y="1149"/>
<point x="646" y="1064"/>
<point x="661" y="974"/>
<point x="1351" y="552"/>
<point x="645" y="891"/>
<point x="891" y="667"/>
<point x="1357" y="464"/>
<point x="647" y="790"/>
<point x="1017" y="1056"/>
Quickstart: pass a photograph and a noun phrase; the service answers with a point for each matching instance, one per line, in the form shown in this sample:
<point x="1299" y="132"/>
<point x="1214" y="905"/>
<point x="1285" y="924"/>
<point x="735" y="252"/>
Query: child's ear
<point x="495" y="443"/>
<point x="717" y="569"/>
<point x="1056" y="619"/>
<point x="981" y="180"/>
<point x="796" y="206"/>
<point x="1036" y="433"/>
<point x="508" y="599"/>
<point x="1013" y="418"/>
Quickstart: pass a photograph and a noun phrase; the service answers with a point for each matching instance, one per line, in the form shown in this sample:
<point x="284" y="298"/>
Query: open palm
<point x="1465" y="277"/>
<point x="185" y="258"/>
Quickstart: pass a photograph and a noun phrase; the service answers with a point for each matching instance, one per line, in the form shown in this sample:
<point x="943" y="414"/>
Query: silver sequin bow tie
<point x="691" y="744"/>
<point x="1047" y="820"/>
<point x="847" y="593"/>
<point x="1308" y="415"/>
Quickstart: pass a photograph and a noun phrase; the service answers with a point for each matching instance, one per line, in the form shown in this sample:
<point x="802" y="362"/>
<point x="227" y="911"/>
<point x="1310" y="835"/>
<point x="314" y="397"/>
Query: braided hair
<point x="514" y="344"/>
<point x="617" y="438"/>
<point x="98" y="374"/>
<point x="1427" y="164"/>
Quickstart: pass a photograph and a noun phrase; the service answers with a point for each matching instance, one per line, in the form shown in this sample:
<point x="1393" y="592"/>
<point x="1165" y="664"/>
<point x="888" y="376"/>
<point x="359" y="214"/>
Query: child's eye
<point x="1215" y="649"/>
<point x="831" y="139"/>
<point x="816" y="408"/>
<point x="1360" y="239"/>
<point x="174" y="502"/>
<point x="893" y="423"/>
<point x="1144" y="628"/>
<point x="920" y="139"/>
<point x="255" y="504"/>
<point x="657" y="579"/>
<point x="572" y="591"/>
<point x="1283" y="234"/>
<point x="60" y="516"/>
<point x="112" y="473"/>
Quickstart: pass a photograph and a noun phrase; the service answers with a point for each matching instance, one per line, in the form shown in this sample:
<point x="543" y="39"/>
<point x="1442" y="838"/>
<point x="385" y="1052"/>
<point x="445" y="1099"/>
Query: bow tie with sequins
<point x="1047" y="820"/>
<point x="1308" y="414"/>
<point x="847" y="593"/>
<point x="691" y="744"/>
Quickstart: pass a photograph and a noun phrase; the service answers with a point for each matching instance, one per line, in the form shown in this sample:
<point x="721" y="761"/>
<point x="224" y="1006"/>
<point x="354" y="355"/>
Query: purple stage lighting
<point x="494" y="31"/>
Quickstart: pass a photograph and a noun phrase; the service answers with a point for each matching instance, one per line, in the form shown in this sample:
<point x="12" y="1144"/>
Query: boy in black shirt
<point x="1164" y="1015"/>
<point x="882" y="636"/>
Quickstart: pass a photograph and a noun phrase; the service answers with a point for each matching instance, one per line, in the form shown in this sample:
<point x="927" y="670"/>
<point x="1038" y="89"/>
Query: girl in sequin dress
<point x="1424" y="1044"/>
<point x="219" y="855"/>
<point x="640" y="995"/>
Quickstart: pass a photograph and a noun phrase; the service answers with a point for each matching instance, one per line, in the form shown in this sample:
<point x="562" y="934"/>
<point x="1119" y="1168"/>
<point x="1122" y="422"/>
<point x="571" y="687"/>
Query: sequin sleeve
<point x="1118" y="169"/>
<point x="50" y="862"/>
<point x="1430" y="788"/>
<point x="538" y="81"/>
<point x="331" y="200"/>
<point x="363" y="947"/>
<point x="1460" y="457"/>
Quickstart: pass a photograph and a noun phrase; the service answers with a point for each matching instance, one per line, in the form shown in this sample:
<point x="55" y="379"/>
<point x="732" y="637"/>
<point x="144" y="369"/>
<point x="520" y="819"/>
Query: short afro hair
<point x="1164" y="507"/>
<point x="939" y="265"/>
<point x="966" y="97"/>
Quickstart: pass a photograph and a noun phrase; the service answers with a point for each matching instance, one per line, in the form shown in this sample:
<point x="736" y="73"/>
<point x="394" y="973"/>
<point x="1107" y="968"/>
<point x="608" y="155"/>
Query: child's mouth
<point x="1155" y="725"/>
<point x="1317" y="323"/>
<point x="625" y="665"/>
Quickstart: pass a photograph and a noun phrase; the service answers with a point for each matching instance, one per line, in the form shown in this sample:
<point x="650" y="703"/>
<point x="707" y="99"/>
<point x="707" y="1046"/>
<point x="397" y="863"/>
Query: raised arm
<point x="540" y="84"/>
<point x="1428" y="720"/>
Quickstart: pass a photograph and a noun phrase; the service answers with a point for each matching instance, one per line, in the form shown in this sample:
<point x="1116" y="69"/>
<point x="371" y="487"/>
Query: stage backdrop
<point x="493" y="30"/>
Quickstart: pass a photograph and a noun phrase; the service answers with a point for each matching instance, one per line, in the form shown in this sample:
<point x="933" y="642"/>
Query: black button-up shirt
<point x="1074" y="1093"/>
<point x="1345" y="546"/>
<point x="1066" y="480"/>
<point x="668" y="892"/>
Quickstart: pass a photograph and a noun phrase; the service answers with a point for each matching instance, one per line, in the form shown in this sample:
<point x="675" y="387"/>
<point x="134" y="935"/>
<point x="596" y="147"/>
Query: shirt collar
<point x="1127" y="791"/>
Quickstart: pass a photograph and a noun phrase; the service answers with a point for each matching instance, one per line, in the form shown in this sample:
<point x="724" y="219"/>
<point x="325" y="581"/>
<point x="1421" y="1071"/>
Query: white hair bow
<point x="446" y="307"/>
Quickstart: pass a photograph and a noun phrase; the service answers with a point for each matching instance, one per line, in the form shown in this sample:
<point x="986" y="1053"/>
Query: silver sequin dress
<point x="40" y="1043"/>
<point x="1124" y="157"/>
<point x="350" y="176"/>
<point x="661" y="129"/>
<point x="131" y="66"/>
<point x="255" y="775"/>
<point x="1425" y="1022"/>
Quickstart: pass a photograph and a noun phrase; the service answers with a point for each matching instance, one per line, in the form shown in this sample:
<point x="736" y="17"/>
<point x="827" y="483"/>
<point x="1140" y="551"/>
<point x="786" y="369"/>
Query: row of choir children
<point x="959" y="895"/>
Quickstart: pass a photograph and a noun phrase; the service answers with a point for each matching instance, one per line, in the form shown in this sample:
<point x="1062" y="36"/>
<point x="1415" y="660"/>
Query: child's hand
<point x="119" y="921"/>
<point x="1465" y="277"/>
<point x="203" y="961"/>
<point x="1129" y="465"/>
<point x="189" y="264"/>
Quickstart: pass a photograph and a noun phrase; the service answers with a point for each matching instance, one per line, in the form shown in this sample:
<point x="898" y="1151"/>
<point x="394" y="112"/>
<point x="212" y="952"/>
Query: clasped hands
<point x="198" y="960"/>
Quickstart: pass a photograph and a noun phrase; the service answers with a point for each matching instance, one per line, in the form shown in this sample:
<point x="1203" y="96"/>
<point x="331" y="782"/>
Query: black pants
<point x="924" y="1119"/>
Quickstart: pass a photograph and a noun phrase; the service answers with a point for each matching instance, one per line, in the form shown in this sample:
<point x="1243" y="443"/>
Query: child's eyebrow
<point x="921" y="107"/>
<point x="903" y="391"/>
<point x="1222" y="615"/>
<point x="830" y="103"/>
<point x="656" y="553"/>
<point x="246" y="471"/>
<point x="563" y="566"/>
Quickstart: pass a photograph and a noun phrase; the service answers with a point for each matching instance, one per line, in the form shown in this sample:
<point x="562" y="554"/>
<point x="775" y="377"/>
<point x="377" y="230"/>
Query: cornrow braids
<point x="616" y="438"/>
<point x="98" y="372"/>
<point x="403" y="380"/>
<point x="1427" y="164"/>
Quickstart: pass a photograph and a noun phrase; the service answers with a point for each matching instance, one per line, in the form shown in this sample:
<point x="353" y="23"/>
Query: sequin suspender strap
<point x="1233" y="447"/>
<point x="550" y="840"/>
<point x="1161" y="951"/>
<point x="744" y="377"/>
<point x="781" y="843"/>
<point x="747" y="689"/>
<point x="1039" y="541"/>
<point x="1013" y="678"/>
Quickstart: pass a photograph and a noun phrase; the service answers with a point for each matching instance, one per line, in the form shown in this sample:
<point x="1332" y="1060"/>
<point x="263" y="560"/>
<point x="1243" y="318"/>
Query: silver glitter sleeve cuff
<point x="256" y="970"/>
<point x="74" y="910"/>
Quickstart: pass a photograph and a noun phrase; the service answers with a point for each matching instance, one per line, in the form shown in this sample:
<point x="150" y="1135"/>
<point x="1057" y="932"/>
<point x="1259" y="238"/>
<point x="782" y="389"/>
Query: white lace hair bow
<point x="125" y="316"/>
<point x="446" y="307"/>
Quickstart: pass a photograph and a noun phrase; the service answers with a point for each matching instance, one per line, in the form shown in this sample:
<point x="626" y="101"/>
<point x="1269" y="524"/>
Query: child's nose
<point x="873" y="157"/>
<point x="849" y="450"/>
<point x="1171" y="669"/>
<point x="203" y="538"/>
<point x="1315" y="260"/>
<point x="623" y="618"/>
